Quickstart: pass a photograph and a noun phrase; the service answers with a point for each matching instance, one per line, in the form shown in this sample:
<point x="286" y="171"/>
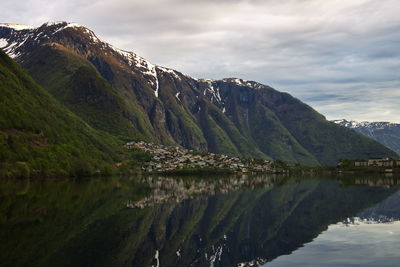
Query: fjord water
<point x="213" y="221"/>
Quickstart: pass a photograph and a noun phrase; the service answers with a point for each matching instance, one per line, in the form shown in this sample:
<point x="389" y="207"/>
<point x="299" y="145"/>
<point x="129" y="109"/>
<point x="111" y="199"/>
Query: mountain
<point x="39" y="136"/>
<point x="124" y="94"/>
<point x="386" y="133"/>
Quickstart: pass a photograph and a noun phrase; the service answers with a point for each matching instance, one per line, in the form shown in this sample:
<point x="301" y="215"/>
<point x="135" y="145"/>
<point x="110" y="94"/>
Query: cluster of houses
<point x="169" y="158"/>
<point x="377" y="162"/>
<point x="177" y="190"/>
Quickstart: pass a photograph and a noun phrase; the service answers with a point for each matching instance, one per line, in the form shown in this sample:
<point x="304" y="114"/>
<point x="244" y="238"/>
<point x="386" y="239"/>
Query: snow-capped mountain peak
<point x="16" y="42"/>
<point x="242" y="82"/>
<point x="15" y="36"/>
<point x="365" y="124"/>
<point x="386" y="133"/>
<point x="347" y="123"/>
<point x="63" y="23"/>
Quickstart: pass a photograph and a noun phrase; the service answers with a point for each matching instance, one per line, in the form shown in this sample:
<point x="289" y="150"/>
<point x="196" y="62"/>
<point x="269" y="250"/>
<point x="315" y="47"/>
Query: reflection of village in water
<point x="386" y="181"/>
<point x="165" y="189"/>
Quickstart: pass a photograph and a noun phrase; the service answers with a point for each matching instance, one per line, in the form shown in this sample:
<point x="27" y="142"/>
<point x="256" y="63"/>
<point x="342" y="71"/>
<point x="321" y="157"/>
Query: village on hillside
<point x="171" y="159"/>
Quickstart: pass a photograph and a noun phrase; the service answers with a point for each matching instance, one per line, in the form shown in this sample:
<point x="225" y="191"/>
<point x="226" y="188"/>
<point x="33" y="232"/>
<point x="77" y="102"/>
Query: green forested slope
<point x="39" y="136"/>
<point x="75" y="82"/>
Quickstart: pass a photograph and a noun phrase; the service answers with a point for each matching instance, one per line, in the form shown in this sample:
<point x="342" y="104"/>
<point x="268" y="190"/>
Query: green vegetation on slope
<point x="75" y="82"/>
<point x="261" y="126"/>
<point x="37" y="218"/>
<point x="327" y="141"/>
<point x="38" y="136"/>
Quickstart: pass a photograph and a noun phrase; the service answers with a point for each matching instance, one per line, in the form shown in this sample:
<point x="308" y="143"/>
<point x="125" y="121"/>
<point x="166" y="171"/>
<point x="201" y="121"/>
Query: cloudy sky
<point x="342" y="57"/>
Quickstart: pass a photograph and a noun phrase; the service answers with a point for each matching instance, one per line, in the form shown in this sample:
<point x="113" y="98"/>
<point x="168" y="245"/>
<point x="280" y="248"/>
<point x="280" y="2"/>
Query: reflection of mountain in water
<point x="248" y="225"/>
<point x="385" y="211"/>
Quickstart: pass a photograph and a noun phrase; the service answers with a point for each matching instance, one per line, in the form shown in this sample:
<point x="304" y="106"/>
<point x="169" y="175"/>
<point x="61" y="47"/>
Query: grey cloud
<point x="331" y="54"/>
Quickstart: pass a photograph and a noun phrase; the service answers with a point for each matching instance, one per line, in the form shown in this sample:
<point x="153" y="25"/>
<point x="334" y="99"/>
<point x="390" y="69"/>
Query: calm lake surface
<point x="213" y="221"/>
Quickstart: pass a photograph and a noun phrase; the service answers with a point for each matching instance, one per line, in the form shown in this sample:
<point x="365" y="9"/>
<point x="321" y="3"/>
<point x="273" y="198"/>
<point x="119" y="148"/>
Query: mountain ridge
<point x="141" y="100"/>
<point x="368" y="124"/>
<point x="386" y="133"/>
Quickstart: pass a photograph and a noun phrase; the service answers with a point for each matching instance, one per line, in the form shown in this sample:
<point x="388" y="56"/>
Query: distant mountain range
<point x="126" y="96"/>
<point x="386" y="133"/>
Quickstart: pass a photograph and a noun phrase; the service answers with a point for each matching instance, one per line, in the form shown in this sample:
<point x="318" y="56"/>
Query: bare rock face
<point x="122" y="93"/>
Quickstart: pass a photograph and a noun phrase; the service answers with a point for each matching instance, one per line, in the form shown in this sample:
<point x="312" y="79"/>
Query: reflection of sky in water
<point x="362" y="244"/>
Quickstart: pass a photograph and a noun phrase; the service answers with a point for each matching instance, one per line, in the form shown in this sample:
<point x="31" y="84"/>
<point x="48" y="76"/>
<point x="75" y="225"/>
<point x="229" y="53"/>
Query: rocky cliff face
<point x="386" y="133"/>
<point x="126" y="95"/>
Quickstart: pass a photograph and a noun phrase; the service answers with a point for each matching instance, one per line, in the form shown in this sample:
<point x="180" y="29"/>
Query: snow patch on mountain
<point x="3" y="43"/>
<point x="147" y="69"/>
<point x="157" y="258"/>
<point x="212" y="89"/>
<point x="157" y="86"/>
<point x="214" y="92"/>
<point x="364" y="124"/>
<point x="177" y="96"/>
<point x="216" y="256"/>
<point x="17" y="27"/>
<point x="170" y="71"/>
<point x="67" y="24"/>
<point x="242" y="82"/>
<point x="11" y="48"/>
